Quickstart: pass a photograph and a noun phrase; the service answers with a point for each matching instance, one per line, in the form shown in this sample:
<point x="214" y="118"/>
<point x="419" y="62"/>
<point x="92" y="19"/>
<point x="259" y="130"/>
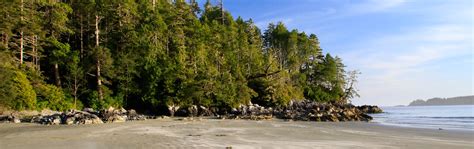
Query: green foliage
<point x="274" y="91"/>
<point x="57" y="51"/>
<point x="16" y="91"/>
<point x="143" y="55"/>
<point x="326" y="80"/>
<point x="108" y="101"/>
<point x="52" y="97"/>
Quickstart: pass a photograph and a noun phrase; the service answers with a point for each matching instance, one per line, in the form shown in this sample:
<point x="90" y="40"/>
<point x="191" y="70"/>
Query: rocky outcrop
<point x="9" y="118"/>
<point x="370" y="109"/>
<point x="194" y="111"/>
<point x="297" y="111"/>
<point x="313" y="111"/>
<point x="86" y="116"/>
<point x="251" y="112"/>
<point x="68" y="118"/>
<point x="304" y="110"/>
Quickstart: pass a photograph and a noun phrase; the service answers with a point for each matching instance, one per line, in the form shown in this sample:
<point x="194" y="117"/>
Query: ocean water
<point x="460" y="117"/>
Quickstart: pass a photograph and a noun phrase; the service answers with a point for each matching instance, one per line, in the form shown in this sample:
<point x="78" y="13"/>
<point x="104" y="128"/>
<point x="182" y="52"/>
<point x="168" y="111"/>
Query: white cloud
<point x="299" y="16"/>
<point x="405" y="64"/>
<point x="397" y="65"/>
<point x="372" y="6"/>
<point x="414" y="47"/>
<point x="406" y="60"/>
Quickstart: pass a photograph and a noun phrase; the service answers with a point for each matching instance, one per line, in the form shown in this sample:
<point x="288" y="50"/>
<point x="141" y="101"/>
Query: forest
<point x="150" y="54"/>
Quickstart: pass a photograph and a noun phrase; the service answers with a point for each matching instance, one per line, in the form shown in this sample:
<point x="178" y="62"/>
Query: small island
<point x="461" y="100"/>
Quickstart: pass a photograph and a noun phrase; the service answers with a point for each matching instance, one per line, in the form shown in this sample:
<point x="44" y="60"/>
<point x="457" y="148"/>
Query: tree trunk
<point x="56" y="75"/>
<point x="21" y="47"/>
<point x="222" y="11"/>
<point x="33" y="51"/>
<point x="97" y="19"/>
<point x="21" y="33"/>
<point x="82" y="38"/>
<point x="127" y="88"/>
<point x="74" y="93"/>
<point x="249" y="71"/>
<point x="6" y="40"/>
<point x="281" y="58"/>
<point x="99" y="81"/>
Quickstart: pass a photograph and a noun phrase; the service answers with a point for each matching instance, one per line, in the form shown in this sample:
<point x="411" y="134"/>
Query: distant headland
<point x="461" y="100"/>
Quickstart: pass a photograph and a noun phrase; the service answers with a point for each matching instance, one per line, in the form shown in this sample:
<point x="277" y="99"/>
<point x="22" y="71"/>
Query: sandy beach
<point x="211" y="133"/>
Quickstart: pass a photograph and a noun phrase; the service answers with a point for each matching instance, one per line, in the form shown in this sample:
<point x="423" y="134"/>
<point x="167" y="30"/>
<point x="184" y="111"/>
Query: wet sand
<point x="211" y="133"/>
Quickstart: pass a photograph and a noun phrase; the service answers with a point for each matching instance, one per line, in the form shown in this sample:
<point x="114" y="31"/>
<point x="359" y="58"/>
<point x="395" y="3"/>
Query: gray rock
<point x="131" y="112"/>
<point x="370" y="109"/>
<point x="70" y="120"/>
<point x="313" y="111"/>
<point x="56" y="121"/>
<point x="122" y="111"/>
<point x="97" y="121"/>
<point x="110" y="109"/>
<point x="89" y="110"/>
<point x="118" y="119"/>
<point x="87" y="122"/>
<point x="16" y="120"/>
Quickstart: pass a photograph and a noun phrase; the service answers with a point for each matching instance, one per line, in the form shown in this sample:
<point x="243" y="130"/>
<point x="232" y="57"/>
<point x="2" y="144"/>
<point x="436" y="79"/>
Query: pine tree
<point x="55" y="25"/>
<point x="152" y="54"/>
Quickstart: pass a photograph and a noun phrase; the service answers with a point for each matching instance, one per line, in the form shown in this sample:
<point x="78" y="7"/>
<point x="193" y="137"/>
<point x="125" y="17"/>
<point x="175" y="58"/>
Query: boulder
<point x="172" y="109"/>
<point x="204" y="111"/>
<point x="97" y="121"/>
<point x="70" y="117"/>
<point x="110" y="109"/>
<point x="70" y="120"/>
<point x="36" y="119"/>
<point x="16" y="120"/>
<point x="183" y="112"/>
<point x="133" y="116"/>
<point x="56" y="120"/>
<point x="370" y="109"/>
<point x="3" y="118"/>
<point x="131" y="112"/>
<point x="312" y="111"/>
<point x="12" y="118"/>
<point x="89" y="110"/>
<point x="118" y="118"/>
<point x="365" y="117"/>
<point x="193" y="111"/>
<point x="86" y="122"/>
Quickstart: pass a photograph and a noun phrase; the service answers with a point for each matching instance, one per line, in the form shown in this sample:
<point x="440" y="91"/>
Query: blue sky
<point x="405" y="49"/>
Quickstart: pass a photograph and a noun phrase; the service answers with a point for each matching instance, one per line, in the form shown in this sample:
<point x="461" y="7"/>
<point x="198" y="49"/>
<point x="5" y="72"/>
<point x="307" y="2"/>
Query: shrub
<point x="16" y="91"/>
<point x="52" y="97"/>
<point x="274" y="92"/>
<point x="108" y="101"/>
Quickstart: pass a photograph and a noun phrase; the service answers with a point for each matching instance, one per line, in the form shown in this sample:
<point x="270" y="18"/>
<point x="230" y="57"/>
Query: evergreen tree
<point x="156" y="54"/>
<point x="55" y="25"/>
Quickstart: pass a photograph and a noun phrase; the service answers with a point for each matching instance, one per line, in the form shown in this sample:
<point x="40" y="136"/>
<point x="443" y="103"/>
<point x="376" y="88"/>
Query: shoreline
<point x="215" y="133"/>
<point x="434" y="117"/>
<point x="421" y="127"/>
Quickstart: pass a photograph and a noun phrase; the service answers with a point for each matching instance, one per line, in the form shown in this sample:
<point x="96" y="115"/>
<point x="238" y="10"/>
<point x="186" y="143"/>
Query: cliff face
<point x="462" y="100"/>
